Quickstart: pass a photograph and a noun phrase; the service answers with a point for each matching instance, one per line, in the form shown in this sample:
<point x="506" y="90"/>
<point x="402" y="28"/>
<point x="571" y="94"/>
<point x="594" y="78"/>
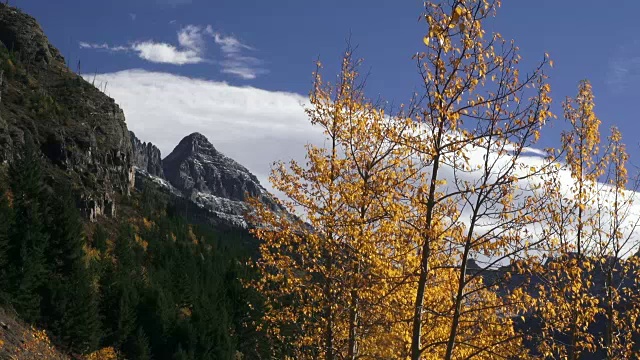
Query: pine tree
<point x="66" y="233"/>
<point x="28" y="238"/>
<point x="81" y="324"/>
<point x="100" y="239"/>
<point x="70" y="304"/>
<point x="119" y="286"/>
<point x="6" y="222"/>
<point x="126" y="314"/>
<point x="180" y="354"/>
<point x="140" y="349"/>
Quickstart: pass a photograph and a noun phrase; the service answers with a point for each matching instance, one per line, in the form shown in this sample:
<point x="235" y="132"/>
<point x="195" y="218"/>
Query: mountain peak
<point x="197" y="136"/>
<point x="195" y="143"/>
<point x="196" y="166"/>
<point x="211" y="179"/>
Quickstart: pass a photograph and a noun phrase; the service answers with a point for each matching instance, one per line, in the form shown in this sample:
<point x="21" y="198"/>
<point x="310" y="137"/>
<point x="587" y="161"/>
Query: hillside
<point x="20" y="341"/>
<point x="98" y="248"/>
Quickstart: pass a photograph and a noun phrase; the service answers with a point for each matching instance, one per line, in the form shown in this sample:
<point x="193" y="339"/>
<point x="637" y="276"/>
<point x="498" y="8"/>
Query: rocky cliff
<point x="212" y="180"/>
<point x="146" y="156"/>
<point x="81" y="131"/>
<point x="83" y="136"/>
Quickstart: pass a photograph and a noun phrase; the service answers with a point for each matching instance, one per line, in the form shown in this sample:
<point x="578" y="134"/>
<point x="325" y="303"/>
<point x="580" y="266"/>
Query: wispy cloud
<point x="624" y="68"/>
<point x="229" y="44"/>
<point x="103" y="46"/>
<point x="132" y="16"/>
<point x="235" y="62"/>
<point x="192" y="37"/>
<point x="191" y="49"/>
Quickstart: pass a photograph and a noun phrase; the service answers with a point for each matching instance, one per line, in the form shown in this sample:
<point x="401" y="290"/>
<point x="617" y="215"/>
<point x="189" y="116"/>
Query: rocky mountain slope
<point x="80" y="130"/>
<point x="196" y="172"/>
<point x="146" y="156"/>
<point x="83" y="135"/>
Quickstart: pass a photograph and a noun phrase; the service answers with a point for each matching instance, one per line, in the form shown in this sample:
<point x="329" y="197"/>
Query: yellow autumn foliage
<point x="107" y="353"/>
<point x="396" y="207"/>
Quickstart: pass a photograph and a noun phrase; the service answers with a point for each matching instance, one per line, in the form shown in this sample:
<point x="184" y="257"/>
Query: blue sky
<point x="272" y="45"/>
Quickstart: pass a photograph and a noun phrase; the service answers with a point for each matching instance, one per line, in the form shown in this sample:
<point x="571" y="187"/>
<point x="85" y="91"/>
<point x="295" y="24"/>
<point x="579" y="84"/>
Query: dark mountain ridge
<point x="82" y="135"/>
<point x="79" y="130"/>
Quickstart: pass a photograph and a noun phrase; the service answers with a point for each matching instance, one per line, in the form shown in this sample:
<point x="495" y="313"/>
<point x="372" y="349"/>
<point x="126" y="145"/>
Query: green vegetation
<point x="155" y="287"/>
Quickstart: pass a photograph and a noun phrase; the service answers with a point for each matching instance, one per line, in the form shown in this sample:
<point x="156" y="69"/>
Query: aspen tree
<point x="336" y="282"/>
<point x="617" y="266"/>
<point x="567" y="304"/>
<point x="589" y="279"/>
<point x="474" y="104"/>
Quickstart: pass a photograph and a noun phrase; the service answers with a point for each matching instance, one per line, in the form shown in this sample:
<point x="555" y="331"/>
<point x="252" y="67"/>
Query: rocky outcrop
<point x="146" y="156"/>
<point x="213" y="180"/>
<point x="80" y="130"/>
<point x="23" y="35"/>
<point x="83" y="135"/>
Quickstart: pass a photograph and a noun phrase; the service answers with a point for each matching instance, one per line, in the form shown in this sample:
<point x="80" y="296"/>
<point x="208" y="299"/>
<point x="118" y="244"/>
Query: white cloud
<point x="192" y="37"/>
<point x="253" y="126"/>
<point x="103" y="46"/>
<point x="247" y="68"/>
<point x="166" y="53"/>
<point x="229" y="44"/>
<point x="191" y="49"/>
<point x="153" y="52"/>
<point x="235" y="63"/>
<point x="85" y="45"/>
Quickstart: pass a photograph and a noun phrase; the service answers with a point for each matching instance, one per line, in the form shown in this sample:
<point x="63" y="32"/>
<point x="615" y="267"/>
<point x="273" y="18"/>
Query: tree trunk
<point x="328" y="314"/>
<point x="416" y="334"/>
<point x="424" y="264"/>
<point x="353" y="323"/>
<point x="608" y="336"/>
<point x="459" y="295"/>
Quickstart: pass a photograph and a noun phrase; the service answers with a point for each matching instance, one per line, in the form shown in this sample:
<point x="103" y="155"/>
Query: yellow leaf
<point x="425" y="39"/>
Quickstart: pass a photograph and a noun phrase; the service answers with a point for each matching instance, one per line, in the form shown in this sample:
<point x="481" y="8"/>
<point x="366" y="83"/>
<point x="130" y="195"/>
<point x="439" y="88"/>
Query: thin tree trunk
<point x="460" y="293"/>
<point x="608" y="339"/>
<point x="328" y="313"/>
<point x="352" y="351"/>
<point x="353" y="323"/>
<point x="571" y="353"/>
<point x="424" y="265"/>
